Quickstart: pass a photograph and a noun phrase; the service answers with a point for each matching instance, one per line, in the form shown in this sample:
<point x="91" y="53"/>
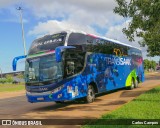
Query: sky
<point x="41" y="17"/>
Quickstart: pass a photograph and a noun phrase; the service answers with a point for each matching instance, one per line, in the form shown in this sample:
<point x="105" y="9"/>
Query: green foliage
<point x="146" y="64"/>
<point x="146" y="106"/>
<point x="149" y="64"/>
<point x="3" y="80"/>
<point x="145" y="22"/>
<point x="11" y="87"/>
<point x="21" y="76"/>
<point x="153" y="65"/>
<point x="9" y="78"/>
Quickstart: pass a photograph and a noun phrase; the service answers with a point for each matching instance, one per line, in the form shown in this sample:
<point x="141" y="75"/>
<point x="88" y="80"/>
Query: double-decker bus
<point x="71" y="65"/>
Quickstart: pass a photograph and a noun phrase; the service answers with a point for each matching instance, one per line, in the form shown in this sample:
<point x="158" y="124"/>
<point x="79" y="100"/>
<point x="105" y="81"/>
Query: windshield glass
<point x="44" y="68"/>
<point x="47" y="43"/>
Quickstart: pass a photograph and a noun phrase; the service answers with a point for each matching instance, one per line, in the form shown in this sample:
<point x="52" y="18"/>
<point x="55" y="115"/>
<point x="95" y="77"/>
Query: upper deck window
<point x="47" y="43"/>
<point x="135" y="52"/>
<point x="77" y="39"/>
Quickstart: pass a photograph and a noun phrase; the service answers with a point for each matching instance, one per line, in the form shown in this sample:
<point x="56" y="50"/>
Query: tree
<point x="153" y="65"/>
<point x="146" y="64"/>
<point x="20" y="75"/>
<point x="9" y="78"/>
<point x="3" y="80"/>
<point x="145" y="22"/>
<point x="149" y="64"/>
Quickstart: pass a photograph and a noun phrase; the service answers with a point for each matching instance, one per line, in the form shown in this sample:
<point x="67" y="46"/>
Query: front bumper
<point x="50" y="97"/>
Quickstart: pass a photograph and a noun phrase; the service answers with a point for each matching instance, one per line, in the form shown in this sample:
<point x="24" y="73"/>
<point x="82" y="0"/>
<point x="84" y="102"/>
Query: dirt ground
<point x="15" y="106"/>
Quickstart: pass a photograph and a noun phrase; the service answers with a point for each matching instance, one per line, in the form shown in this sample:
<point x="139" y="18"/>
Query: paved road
<point x="18" y="108"/>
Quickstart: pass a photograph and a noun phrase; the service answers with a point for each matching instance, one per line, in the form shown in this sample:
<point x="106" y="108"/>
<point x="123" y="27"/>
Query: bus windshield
<point x="44" y="68"/>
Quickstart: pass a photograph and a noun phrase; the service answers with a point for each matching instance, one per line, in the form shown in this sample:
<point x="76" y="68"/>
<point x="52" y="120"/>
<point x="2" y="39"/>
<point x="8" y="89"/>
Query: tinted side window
<point x="105" y="46"/>
<point x="101" y="46"/>
<point x="74" y="62"/>
<point x="135" y="52"/>
<point x="91" y="40"/>
<point x="76" y="39"/>
<point x="120" y="50"/>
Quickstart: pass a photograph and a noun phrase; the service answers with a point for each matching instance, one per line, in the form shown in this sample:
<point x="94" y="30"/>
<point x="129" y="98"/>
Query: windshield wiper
<point x="32" y="82"/>
<point x="56" y="79"/>
<point x="46" y="79"/>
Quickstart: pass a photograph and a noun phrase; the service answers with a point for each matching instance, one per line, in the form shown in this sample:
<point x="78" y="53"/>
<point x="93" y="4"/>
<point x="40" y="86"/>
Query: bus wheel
<point x="136" y="83"/>
<point x="90" y="94"/>
<point x="132" y="85"/>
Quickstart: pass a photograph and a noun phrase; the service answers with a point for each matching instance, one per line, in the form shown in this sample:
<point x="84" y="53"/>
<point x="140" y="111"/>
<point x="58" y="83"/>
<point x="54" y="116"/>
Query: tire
<point x="132" y="85"/>
<point x="90" y="94"/>
<point x="136" y="83"/>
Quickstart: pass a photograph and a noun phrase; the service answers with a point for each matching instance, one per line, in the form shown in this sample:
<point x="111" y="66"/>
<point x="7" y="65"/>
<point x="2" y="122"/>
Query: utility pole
<point x="1" y="72"/>
<point x="21" y="20"/>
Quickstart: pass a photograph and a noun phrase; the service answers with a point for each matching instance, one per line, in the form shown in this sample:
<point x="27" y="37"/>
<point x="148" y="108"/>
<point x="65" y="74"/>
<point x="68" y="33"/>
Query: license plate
<point x="40" y="98"/>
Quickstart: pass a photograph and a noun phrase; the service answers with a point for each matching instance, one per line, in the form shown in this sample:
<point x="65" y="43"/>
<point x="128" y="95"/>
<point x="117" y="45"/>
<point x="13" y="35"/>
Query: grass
<point x="11" y="87"/>
<point x="149" y="72"/>
<point x="146" y="106"/>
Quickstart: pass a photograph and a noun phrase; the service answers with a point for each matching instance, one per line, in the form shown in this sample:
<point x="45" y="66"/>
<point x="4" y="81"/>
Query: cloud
<point x="6" y="3"/>
<point x="82" y="15"/>
<point x="79" y="15"/>
<point x="53" y="8"/>
<point x="115" y="32"/>
<point x="70" y="12"/>
<point x="81" y="12"/>
<point x="52" y="26"/>
<point x="9" y="12"/>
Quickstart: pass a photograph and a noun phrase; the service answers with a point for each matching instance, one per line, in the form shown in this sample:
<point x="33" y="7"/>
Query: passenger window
<point x="74" y="62"/>
<point x="70" y="68"/>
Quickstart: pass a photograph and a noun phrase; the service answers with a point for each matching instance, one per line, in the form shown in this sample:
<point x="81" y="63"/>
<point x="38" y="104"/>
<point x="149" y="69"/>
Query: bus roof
<point x="105" y="38"/>
<point x="118" y="42"/>
<point x="95" y="36"/>
<point x="112" y="40"/>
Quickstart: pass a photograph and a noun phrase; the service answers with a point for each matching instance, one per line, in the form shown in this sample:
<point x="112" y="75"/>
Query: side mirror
<point x="58" y="54"/>
<point x="14" y="62"/>
<point x="59" y="50"/>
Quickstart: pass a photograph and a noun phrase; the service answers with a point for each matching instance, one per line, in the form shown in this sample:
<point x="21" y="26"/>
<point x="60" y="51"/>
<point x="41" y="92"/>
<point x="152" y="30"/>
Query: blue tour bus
<point x="70" y="65"/>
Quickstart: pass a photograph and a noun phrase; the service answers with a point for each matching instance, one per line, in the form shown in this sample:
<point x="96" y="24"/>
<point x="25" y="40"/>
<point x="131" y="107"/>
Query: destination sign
<point x="47" y="43"/>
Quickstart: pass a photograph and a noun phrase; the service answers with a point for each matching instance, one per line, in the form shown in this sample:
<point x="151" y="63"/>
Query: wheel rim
<point x="132" y="86"/>
<point x="91" y="94"/>
<point x="136" y="83"/>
